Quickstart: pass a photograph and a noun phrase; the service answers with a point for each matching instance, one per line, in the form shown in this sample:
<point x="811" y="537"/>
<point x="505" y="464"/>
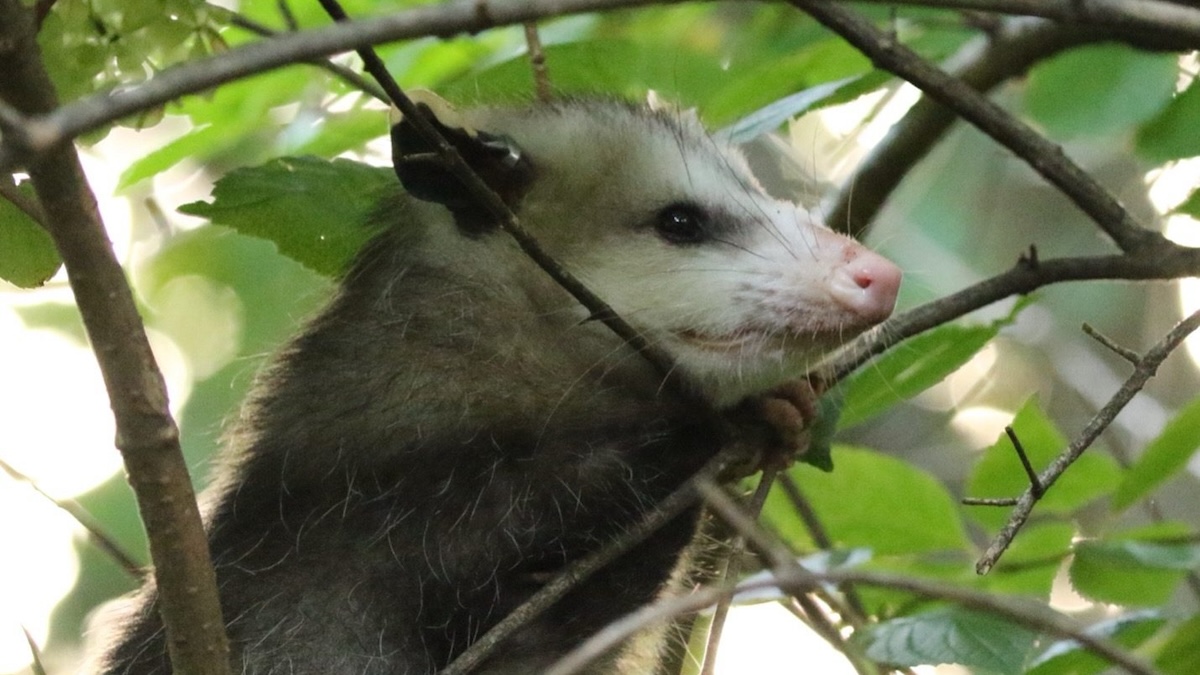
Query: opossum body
<point x="452" y="429"/>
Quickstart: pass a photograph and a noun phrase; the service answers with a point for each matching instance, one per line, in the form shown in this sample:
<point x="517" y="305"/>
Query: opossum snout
<point x="865" y="284"/>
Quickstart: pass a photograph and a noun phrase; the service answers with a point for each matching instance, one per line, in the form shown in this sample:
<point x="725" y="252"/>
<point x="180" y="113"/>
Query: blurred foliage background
<point x="1116" y="543"/>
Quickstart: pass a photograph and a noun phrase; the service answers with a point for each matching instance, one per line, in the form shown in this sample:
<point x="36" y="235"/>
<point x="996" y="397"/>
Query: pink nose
<point x="866" y="284"/>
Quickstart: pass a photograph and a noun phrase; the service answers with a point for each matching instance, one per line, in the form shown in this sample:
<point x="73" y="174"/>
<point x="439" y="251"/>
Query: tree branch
<point x="1153" y="19"/>
<point x="982" y="64"/>
<point x="443" y="20"/>
<point x="796" y="580"/>
<point x="146" y="435"/>
<point x="1146" y="367"/>
<point x="1162" y="261"/>
<point x="1045" y="157"/>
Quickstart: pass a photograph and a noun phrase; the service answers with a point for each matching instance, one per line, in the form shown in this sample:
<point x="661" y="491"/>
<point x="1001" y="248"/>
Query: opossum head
<point x="666" y="224"/>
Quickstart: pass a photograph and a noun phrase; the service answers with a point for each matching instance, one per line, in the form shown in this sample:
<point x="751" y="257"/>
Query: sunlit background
<point x="56" y="429"/>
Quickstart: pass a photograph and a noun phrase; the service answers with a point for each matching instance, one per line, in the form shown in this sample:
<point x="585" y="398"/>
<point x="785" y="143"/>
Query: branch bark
<point x="1043" y="156"/>
<point x="146" y="435"/>
<point x="982" y="64"/>
<point x="1145" y="368"/>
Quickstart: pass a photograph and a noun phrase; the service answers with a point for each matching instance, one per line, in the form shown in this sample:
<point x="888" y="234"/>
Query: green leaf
<point x="1191" y="205"/>
<point x="1030" y="564"/>
<point x="1131" y="572"/>
<point x="198" y="142"/>
<point x="27" y="255"/>
<point x="1099" y="89"/>
<point x="949" y="635"/>
<point x="1179" y="656"/>
<point x="871" y="501"/>
<point x="1068" y="656"/>
<point x="769" y="117"/>
<point x="314" y="210"/>
<point x="615" y="67"/>
<point x="1164" y="457"/>
<point x="916" y="365"/>
<point x="1172" y="133"/>
<point x="999" y="472"/>
<point x="760" y="85"/>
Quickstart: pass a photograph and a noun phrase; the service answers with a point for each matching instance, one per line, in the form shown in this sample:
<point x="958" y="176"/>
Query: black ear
<point x="425" y="175"/>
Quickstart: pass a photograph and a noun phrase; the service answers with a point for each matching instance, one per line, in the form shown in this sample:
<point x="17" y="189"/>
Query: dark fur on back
<point x="441" y="437"/>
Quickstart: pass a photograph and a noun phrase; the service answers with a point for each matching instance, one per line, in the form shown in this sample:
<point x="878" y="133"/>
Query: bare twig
<point x="146" y="434"/>
<point x="346" y="74"/>
<point x="1163" y="261"/>
<point x="1127" y="354"/>
<point x="989" y="501"/>
<point x="537" y="61"/>
<point x="1145" y="369"/>
<point x="733" y="569"/>
<point x="857" y="613"/>
<point x="53" y="128"/>
<point x="774" y="551"/>
<point x="1043" y="156"/>
<point x="1034" y="483"/>
<point x="798" y="580"/>
<point x="981" y="64"/>
<point x="95" y="530"/>
<point x="665" y="511"/>
<point x="1162" y="18"/>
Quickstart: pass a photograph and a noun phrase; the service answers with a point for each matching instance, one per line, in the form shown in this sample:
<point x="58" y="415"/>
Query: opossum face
<point x="666" y="224"/>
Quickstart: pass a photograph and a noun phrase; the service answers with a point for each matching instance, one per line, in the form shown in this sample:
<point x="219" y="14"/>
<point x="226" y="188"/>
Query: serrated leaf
<point x="1131" y="572"/>
<point x="314" y="210"/>
<point x="949" y="635"/>
<point x="1180" y="656"/>
<point x="1068" y="656"/>
<point x="27" y="255"/>
<point x="1164" y="457"/>
<point x="1172" y="133"/>
<point x="871" y="501"/>
<point x="1099" y="89"/>
<point x="915" y="365"/>
<point x="999" y="472"/>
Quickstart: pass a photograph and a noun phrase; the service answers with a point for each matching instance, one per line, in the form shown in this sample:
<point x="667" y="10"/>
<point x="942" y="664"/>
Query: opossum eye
<point x="681" y="224"/>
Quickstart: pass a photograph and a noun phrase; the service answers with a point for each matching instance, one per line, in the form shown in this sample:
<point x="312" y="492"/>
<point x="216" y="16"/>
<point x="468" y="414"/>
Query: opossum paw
<point x="783" y="417"/>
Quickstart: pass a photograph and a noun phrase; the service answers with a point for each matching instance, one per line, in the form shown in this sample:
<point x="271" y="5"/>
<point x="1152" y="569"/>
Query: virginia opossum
<point x="453" y="428"/>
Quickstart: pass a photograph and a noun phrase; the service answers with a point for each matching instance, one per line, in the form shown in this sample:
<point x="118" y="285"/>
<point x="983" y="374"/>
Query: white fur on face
<point x="751" y="307"/>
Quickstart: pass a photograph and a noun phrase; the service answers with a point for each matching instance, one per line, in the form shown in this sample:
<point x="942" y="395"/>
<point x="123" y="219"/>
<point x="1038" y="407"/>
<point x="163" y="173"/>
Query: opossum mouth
<point x="764" y="340"/>
<point x="728" y="342"/>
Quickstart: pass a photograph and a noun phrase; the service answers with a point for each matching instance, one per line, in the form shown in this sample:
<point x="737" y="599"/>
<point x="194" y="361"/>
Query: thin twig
<point x="1145" y="369"/>
<point x="982" y="64"/>
<point x="665" y="511"/>
<point x="1125" y="353"/>
<point x="443" y="20"/>
<point x="1162" y="18"/>
<point x="796" y="579"/>
<point x="537" y="61"/>
<point x="857" y="614"/>
<point x="733" y="569"/>
<point x="346" y="74"/>
<point x="95" y="530"/>
<point x="1043" y="156"/>
<point x="1165" y="260"/>
<point x="1034" y="483"/>
<point x="989" y="501"/>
